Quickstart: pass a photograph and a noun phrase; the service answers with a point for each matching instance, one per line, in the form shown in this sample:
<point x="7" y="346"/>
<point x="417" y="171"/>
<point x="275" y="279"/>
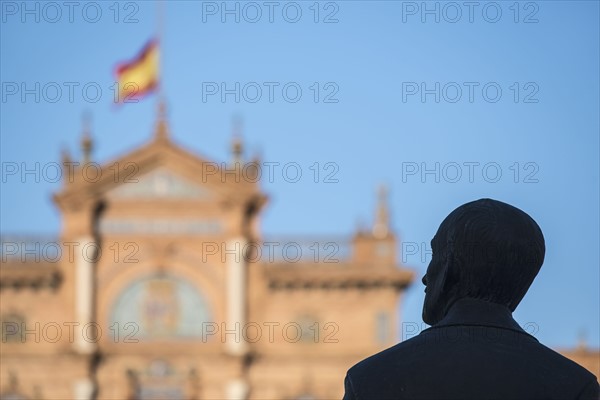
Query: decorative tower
<point x="378" y="247"/>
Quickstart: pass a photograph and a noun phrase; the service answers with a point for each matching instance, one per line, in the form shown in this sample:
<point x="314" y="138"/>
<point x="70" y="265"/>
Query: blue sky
<point x="372" y="57"/>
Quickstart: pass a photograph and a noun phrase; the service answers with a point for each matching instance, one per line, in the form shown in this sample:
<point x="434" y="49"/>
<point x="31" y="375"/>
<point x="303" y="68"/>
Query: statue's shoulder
<point x="379" y="362"/>
<point x="557" y="362"/>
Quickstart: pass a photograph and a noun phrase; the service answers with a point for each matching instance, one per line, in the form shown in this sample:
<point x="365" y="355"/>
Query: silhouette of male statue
<point x="485" y="256"/>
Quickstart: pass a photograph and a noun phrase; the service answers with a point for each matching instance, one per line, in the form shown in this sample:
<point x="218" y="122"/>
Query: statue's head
<point x="485" y="250"/>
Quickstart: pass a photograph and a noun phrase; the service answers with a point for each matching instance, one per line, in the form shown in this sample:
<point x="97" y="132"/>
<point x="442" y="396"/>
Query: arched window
<point x="161" y="306"/>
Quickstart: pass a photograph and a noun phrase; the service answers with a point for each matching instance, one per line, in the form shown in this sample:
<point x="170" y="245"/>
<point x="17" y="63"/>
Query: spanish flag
<point x="139" y="77"/>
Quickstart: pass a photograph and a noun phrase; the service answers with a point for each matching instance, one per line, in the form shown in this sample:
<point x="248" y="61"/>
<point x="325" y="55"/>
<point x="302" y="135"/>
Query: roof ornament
<point x="65" y="156"/>
<point x="237" y="146"/>
<point x="381" y="227"/>
<point x="66" y="162"/>
<point x="162" y="129"/>
<point x="87" y="144"/>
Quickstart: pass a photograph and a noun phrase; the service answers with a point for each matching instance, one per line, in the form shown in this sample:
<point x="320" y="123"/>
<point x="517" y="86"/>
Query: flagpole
<point x="162" y="131"/>
<point x="160" y="31"/>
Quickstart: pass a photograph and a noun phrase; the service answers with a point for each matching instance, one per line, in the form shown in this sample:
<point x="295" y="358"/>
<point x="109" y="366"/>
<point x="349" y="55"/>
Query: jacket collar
<point x="480" y="313"/>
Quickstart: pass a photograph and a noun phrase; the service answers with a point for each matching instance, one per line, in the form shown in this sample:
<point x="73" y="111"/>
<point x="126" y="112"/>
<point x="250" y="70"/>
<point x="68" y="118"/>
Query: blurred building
<point x="161" y="286"/>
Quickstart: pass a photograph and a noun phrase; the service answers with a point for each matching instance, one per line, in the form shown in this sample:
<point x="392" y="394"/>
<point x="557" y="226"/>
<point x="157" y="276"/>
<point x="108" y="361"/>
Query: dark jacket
<point x="478" y="351"/>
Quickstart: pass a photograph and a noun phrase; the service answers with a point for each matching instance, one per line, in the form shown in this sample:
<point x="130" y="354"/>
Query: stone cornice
<point x="335" y="276"/>
<point x="19" y="275"/>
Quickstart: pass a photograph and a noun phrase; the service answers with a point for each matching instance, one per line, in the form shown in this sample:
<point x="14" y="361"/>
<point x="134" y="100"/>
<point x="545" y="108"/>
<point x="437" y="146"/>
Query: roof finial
<point x="66" y="162"/>
<point x="237" y="147"/>
<point x="65" y="155"/>
<point x="381" y="227"/>
<point x="87" y="145"/>
<point x="162" y="130"/>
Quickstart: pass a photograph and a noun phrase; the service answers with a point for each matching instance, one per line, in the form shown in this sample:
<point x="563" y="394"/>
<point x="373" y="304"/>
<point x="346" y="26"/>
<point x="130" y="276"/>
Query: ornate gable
<point x="159" y="188"/>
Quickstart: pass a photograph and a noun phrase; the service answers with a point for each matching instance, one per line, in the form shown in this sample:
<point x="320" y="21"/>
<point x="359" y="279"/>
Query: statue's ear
<point x="448" y="274"/>
<point x="439" y="286"/>
<point x="445" y="274"/>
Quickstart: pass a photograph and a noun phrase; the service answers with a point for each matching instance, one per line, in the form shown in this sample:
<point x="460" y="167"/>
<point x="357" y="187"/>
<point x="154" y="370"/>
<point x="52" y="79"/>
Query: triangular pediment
<point x="160" y="183"/>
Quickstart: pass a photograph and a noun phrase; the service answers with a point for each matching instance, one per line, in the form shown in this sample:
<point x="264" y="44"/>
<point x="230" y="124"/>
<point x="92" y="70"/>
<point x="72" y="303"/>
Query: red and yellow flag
<point x="139" y="77"/>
